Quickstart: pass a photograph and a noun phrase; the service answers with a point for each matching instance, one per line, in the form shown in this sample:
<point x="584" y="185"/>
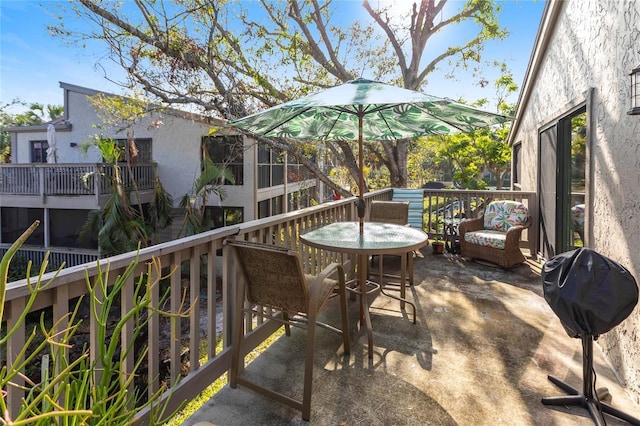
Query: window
<point x="16" y="220"/>
<point x="226" y="152"/>
<point x="144" y="149"/>
<point x="39" y="151"/>
<point x="295" y="201"/>
<point x="276" y="205"/>
<point x="224" y="216"/>
<point x="516" y="166"/>
<point x="296" y="172"/>
<point x="64" y="229"/>
<point x="270" y="207"/>
<point x="270" y="166"/>
<point x="263" y="209"/>
<point x="301" y="199"/>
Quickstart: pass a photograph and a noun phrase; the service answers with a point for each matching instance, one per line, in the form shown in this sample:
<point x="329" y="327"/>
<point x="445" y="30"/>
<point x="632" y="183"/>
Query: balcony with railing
<point x="203" y="271"/>
<point x="73" y="179"/>
<point x="57" y="256"/>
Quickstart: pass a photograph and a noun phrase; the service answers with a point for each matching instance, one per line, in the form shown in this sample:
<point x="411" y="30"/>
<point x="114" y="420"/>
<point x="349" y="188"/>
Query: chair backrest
<point x="503" y="214"/>
<point x="415" y="197"/>
<point x="577" y="216"/>
<point x="396" y="212"/>
<point x="273" y="276"/>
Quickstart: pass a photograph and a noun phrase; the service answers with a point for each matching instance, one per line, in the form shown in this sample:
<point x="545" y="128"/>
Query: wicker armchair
<point x="495" y="236"/>
<point x="577" y="220"/>
<point x="277" y="289"/>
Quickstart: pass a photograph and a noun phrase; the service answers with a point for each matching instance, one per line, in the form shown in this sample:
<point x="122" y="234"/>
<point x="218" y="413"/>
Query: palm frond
<point x="161" y="206"/>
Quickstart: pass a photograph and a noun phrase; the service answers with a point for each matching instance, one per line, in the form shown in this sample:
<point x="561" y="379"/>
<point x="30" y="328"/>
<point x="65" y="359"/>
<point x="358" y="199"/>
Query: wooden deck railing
<point x="57" y="256"/>
<point x="70" y="179"/>
<point x="206" y="268"/>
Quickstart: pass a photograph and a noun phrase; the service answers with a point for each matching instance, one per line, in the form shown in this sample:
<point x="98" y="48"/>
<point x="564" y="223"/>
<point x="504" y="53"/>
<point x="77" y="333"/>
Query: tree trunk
<point x="398" y="154"/>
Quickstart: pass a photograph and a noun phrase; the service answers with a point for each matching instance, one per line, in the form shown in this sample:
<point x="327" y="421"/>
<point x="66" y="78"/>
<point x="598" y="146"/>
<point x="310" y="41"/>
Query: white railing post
<point x="41" y="184"/>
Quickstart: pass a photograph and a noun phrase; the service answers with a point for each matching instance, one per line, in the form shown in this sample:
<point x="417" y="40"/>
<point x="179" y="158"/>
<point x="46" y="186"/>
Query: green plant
<point x="120" y="225"/>
<point x="82" y="390"/>
<point x="194" y="204"/>
<point x="437" y="244"/>
<point x="17" y="268"/>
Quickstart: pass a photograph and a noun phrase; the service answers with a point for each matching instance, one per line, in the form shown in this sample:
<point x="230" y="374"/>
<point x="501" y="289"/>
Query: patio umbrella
<point x="52" y="151"/>
<point x="365" y="110"/>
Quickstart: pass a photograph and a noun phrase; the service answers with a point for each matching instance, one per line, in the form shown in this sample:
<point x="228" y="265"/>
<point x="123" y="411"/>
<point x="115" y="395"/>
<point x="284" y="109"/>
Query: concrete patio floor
<point x="484" y="343"/>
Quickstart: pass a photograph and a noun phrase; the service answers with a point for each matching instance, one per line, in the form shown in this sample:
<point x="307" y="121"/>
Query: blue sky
<point x="32" y="63"/>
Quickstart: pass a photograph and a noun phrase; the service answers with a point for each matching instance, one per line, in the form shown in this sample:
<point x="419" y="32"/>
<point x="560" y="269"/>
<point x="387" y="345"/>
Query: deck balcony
<point x="480" y="351"/>
<point x="66" y="186"/>
<point x="36" y="185"/>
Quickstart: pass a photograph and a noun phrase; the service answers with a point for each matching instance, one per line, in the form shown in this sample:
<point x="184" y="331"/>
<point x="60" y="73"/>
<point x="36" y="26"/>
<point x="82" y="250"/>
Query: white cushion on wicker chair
<point x="495" y="237"/>
<point x="487" y="238"/>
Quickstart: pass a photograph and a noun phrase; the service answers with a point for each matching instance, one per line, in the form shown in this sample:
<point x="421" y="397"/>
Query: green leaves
<point x="119" y="225"/>
<point x="232" y="58"/>
<point x="82" y="391"/>
<point x="211" y="181"/>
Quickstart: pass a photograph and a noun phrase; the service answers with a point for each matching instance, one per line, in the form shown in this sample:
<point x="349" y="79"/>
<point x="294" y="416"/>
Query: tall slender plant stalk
<point x="84" y="390"/>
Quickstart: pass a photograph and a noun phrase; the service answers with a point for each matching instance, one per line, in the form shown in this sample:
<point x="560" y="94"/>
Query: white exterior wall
<point x="175" y="142"/>
<point x="175" y="148"/>
<point x="66" y="153"/>
<point x="592" y="48"/>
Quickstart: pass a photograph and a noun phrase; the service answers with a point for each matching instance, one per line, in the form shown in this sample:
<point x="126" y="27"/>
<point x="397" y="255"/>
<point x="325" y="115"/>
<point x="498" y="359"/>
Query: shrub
<point x="82" y="391"/>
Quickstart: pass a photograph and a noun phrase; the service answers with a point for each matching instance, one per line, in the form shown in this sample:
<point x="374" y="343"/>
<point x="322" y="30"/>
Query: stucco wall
<point x="594" y="44"/>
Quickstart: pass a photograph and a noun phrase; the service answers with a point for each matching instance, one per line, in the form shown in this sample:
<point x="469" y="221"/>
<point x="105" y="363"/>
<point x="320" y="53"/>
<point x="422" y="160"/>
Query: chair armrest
<point x="470" y="225"/>
<point x="329" y="270"/>
<point x="512" y="238"/>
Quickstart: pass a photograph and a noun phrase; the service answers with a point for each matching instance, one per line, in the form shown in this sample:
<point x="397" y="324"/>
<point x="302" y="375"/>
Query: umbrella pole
<point x="361" y="205"/>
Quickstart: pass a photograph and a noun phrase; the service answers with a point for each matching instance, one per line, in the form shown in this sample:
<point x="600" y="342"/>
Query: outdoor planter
<point x="437" y="247"/>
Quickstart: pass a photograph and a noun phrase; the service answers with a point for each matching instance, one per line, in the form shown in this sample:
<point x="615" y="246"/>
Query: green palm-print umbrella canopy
<point x="366" y="110"/>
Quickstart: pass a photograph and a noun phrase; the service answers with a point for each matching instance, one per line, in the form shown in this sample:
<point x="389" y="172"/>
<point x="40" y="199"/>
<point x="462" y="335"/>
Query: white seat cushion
<point x="487" y="238"/>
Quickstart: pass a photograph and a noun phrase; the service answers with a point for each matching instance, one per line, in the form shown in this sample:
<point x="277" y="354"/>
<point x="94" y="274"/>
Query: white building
<point x="170" y="144"/>
<point x="576" y="145"/>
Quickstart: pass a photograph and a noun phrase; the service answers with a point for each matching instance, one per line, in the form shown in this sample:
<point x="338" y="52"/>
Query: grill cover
<point x="589" y="292"/>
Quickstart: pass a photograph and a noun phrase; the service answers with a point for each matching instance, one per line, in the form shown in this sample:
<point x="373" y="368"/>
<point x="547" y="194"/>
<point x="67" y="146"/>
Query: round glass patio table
<point x="377" y="239"/>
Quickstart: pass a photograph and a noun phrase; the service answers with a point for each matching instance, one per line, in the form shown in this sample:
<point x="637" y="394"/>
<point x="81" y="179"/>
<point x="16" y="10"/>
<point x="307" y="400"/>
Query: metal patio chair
<point x="397" y="213"/>
<point x="275" y="287"/>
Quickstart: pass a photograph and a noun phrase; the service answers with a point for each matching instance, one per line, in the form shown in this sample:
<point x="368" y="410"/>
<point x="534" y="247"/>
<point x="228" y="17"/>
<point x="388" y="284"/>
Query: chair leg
<point x="287" y="327"/>
<point x="237" y="337"/>
<point x="344" y="310"/>
<point x="308" y="367"/>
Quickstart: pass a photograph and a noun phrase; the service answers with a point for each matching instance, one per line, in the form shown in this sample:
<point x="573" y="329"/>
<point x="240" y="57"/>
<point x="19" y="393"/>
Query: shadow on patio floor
<point x="484" y="343"/>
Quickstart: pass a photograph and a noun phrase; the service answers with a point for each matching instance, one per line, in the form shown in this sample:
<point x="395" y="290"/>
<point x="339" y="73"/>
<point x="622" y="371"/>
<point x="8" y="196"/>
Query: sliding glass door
<point x="562" y="148"/>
